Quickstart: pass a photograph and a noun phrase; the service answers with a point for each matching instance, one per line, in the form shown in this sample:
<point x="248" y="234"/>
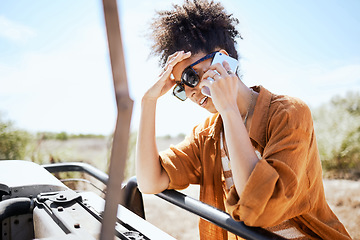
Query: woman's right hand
<point x="165" y="81"/>
<point x="152" y="178"/>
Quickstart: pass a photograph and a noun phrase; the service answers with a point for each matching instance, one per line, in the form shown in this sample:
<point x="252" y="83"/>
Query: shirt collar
<point x="214" y="126"/>
<point x="259" y="120"/>
<point x="260" y="117"/>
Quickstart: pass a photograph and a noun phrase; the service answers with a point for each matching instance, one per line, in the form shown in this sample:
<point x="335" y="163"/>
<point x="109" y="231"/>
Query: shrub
<point x="13" y="142"/>
<point x="337" y="126"/>
<point x="63" y="136"/>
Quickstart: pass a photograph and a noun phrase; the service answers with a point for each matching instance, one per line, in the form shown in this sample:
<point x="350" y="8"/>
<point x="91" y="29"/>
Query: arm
<point x="227" y="91"/>
<point x="265" y="190"/>
<point x="152" y="178"/>
<point x="241" y="151"/>
<point x="150" y="175"/>
<point x="286" y="182"/>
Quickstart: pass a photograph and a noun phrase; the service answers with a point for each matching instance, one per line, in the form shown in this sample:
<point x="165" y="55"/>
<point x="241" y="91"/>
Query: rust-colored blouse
<point x="286" y="183"/>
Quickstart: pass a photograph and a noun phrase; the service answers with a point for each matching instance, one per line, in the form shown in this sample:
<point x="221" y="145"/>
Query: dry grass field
<point x="343" y="196"/>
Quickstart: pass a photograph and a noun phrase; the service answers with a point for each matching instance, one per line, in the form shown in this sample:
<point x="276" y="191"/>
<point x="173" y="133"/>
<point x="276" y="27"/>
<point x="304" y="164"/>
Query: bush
<point x="337" y="126"/>
<point x="349" y="153"/>
<point x="63" y="136"/>
<point x="13" y="142"/>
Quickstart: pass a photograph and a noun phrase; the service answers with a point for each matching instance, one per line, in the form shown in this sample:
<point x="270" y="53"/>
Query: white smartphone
<point x="220" y="58"/>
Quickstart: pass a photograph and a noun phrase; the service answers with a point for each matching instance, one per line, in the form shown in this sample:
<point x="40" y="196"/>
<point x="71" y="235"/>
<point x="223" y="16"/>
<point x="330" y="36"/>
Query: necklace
<point x="248" y="109"/>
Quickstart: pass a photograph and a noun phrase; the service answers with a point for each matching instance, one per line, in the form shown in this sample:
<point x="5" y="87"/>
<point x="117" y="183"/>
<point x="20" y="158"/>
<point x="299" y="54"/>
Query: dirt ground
<point x="343" y="197"/>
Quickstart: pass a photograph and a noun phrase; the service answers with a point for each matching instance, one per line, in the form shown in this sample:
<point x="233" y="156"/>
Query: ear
<point x="223" y="51"/>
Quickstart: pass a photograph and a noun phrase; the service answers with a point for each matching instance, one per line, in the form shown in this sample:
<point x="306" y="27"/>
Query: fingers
<point x="165" y="79"/>
<point x="210" y="74"/>
<point x="219" y="68"/>
<point x="223" y="69"/>
<point x="228" y="68"/>
<point x="172" y="56"/>
<point x="217" y="71"/>
<point x="177" y="57"/>
<point x="166" y="72"/>
<point x="207" y="82"/>
<point x="219" y="74"/>
<point x="172" y="60"/>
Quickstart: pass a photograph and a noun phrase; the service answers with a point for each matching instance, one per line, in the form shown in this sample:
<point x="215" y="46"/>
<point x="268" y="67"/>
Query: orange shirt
<point x="286" y="183"/>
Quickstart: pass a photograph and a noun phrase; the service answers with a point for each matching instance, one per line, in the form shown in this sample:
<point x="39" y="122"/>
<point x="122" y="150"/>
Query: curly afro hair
<point x="196" y="26"/>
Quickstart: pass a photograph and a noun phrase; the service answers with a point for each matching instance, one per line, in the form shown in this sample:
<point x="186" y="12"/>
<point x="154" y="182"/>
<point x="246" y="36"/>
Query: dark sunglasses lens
<point x="190" y="77"/>
<point x="179" y="92"/>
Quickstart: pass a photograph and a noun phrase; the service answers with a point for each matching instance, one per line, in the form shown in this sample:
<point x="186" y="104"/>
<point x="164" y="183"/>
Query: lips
<point x="203" y="101"/>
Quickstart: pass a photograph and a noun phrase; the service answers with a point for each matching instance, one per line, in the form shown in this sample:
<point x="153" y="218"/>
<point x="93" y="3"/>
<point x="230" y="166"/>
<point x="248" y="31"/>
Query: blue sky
<point x="55" y="73"/>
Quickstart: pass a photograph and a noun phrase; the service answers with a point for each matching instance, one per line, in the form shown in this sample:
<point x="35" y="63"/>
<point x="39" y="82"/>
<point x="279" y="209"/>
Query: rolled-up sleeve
<point x="279" y="186"/>
<point x="182" y="162"/>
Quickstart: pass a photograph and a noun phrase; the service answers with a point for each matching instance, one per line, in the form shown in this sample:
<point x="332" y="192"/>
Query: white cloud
<point x="15" y="31"/>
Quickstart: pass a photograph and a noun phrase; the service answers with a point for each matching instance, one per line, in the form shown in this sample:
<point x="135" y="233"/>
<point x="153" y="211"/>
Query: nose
<point x="192" y="92"/>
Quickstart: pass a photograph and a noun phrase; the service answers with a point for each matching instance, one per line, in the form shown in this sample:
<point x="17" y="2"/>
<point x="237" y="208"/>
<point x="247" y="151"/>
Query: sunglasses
<point x="189" y="77"/>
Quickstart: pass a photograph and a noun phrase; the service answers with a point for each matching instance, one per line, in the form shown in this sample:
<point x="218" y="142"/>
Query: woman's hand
<point x="165" y="81"/>
<point x="224" y="88"/>
<point x="152" y="178"/>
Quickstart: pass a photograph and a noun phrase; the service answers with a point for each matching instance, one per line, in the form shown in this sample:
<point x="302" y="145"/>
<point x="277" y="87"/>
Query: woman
<point x="255" y="157"/>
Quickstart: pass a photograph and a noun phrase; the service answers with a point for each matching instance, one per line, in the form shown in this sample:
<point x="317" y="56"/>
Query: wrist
<point x="231" y="115"/>
<point x="148" y="99"/>
<point x="229" y="111"/>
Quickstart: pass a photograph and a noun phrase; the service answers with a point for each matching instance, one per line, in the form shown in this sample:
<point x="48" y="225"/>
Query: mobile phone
<point x="220" y="58"/>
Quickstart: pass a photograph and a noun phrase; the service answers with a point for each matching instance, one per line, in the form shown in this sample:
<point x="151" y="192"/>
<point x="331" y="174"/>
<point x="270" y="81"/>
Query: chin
<point x="210" y="106"/>
<point x="211" y="109"/>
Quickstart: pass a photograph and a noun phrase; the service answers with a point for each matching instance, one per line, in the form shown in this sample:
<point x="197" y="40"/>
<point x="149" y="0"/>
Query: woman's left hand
<point x="224" y="86"/>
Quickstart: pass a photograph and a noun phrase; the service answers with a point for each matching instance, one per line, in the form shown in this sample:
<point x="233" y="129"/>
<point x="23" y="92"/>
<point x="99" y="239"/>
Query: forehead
<point x="179" y="67"/>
